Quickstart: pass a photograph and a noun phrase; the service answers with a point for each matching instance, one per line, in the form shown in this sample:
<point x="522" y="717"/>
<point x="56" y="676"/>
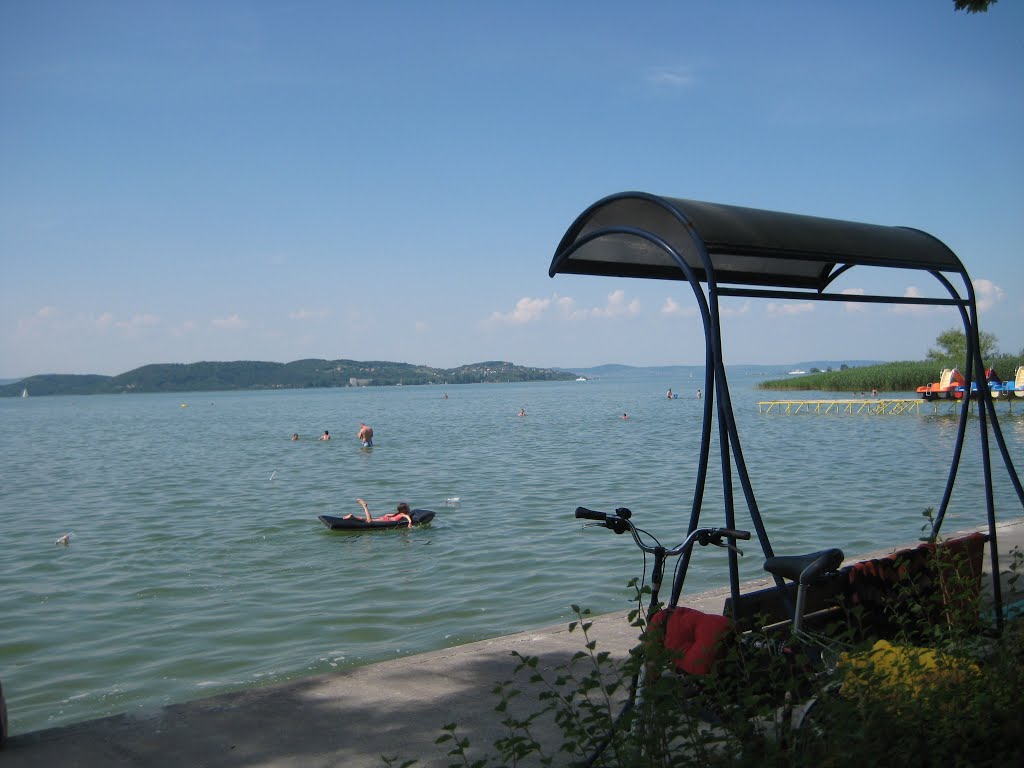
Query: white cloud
<point x="911" y="292"/>
<point x="790" y="309"/>
<point x="42" y="316"/>
<point x="526" y="311"/>
<point x="853" y="306"/>
<point x="131" y="327"/>
<point x="231" y="322"/>
<point x="988" y="293"/>
<point x="672" y="308"/>
<point x="729" y="311"/>
<point x="189" y="326"/>
<point x="564" y="303"/>
<point x="616" y="306"/>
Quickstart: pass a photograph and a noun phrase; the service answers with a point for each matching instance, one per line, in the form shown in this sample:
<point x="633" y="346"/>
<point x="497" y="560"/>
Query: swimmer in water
<point x="326" y="435"/>
<point x="64" y="541"/>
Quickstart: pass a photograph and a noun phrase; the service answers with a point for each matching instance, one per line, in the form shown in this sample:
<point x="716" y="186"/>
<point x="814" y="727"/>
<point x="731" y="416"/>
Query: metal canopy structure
<point x="726" y="250"/>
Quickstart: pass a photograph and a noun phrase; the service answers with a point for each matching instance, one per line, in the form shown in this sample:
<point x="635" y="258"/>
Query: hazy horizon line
<point x="571" y="368"/>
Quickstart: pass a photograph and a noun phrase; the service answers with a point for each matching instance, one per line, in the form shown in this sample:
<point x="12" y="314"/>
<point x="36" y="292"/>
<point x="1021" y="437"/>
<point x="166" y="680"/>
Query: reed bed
<point x="904" y="376"/>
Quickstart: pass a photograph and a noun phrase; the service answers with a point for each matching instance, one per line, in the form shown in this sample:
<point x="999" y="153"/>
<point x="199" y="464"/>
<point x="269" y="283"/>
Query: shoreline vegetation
<point x="252" y="375"/>
<point x="856" y="378"/>
<point x="904" y="376"/>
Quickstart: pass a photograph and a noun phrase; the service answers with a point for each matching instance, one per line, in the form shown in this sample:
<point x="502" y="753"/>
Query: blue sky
<point x="388" y="181"/>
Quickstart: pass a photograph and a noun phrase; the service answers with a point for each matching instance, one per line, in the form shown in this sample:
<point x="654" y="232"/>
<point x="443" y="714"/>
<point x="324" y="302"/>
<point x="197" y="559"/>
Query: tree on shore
<point x="952" y="345"/>
<point x="973" y="6"/>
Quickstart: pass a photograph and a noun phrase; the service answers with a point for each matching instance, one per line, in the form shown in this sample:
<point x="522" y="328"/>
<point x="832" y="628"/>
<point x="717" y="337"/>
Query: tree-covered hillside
<point x="300" y="374"/>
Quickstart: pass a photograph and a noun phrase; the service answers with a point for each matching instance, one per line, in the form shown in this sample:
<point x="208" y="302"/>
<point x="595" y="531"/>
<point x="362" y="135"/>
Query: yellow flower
<point x="886" y="670"/>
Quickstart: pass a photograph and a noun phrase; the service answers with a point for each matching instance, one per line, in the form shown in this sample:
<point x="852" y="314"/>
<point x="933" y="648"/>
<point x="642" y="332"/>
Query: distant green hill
<point x="300" y="374"/>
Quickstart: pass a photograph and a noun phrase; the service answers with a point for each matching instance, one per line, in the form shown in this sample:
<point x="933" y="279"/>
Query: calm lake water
<point x="197" y="564"/>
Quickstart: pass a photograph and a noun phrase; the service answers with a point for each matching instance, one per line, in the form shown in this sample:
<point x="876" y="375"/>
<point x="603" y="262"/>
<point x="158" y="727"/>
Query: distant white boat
<point x="24" y="392"/>
<point x="581" y="378"/>
<point x="797" y="372"/>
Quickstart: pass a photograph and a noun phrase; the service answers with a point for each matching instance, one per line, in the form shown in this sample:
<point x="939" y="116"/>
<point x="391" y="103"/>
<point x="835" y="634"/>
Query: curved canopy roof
<point x="749" y="252"/>
<point x="746" y="246"/>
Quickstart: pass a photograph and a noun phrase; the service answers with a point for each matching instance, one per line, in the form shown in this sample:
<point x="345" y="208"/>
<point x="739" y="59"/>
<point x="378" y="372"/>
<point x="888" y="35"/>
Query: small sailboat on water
<point x="24" y="392"/>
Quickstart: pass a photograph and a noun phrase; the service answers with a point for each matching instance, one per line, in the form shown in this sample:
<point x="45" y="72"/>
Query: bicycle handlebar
<point x="620" y="523"/>
<point x="732" y="533"/>
<point x="590" y="514"/>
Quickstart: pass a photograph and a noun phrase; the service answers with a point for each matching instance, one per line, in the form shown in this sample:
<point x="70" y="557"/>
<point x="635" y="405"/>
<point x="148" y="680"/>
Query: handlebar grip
<point x="732" y="533"/>
<point x="589" y="514"/>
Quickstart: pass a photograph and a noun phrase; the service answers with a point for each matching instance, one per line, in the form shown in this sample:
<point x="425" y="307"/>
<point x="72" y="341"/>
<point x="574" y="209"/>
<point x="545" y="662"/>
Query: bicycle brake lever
<point x="727" y="545"/>
<point x="614" y="524"/>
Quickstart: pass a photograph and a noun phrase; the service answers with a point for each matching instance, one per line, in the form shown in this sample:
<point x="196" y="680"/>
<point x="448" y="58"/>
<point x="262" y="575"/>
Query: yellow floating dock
<point x="877" y="405"/>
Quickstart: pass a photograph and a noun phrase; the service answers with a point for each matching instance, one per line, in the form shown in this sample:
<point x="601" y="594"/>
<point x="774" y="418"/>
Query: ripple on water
<point x="197" y="564"/>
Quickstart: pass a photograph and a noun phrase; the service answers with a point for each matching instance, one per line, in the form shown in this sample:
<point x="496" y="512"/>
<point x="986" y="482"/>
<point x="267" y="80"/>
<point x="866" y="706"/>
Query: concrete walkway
<point x="353" y="717"/>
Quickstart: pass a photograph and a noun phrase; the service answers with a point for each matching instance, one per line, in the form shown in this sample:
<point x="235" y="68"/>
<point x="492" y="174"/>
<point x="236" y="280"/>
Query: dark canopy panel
<point x="726" y="250"/>
<point x="746" y="246"/>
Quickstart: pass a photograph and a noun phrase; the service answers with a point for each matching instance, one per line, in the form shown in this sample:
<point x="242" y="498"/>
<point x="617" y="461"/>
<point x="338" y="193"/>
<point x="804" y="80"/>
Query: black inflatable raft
<point x="419" y="517"/>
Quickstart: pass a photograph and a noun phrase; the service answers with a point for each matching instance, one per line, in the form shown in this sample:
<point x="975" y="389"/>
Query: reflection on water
<point x="197" y="563"/>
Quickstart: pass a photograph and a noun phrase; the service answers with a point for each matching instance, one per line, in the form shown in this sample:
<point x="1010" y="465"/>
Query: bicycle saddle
<point x="804" y="568"/>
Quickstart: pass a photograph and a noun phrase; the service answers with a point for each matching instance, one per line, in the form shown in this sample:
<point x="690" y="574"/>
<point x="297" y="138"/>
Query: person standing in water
<point x="326" y="435"/>
<point x="365" y="434"/>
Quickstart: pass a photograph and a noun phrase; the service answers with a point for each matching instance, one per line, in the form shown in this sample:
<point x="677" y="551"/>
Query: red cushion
<point x="693" y="635"/>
